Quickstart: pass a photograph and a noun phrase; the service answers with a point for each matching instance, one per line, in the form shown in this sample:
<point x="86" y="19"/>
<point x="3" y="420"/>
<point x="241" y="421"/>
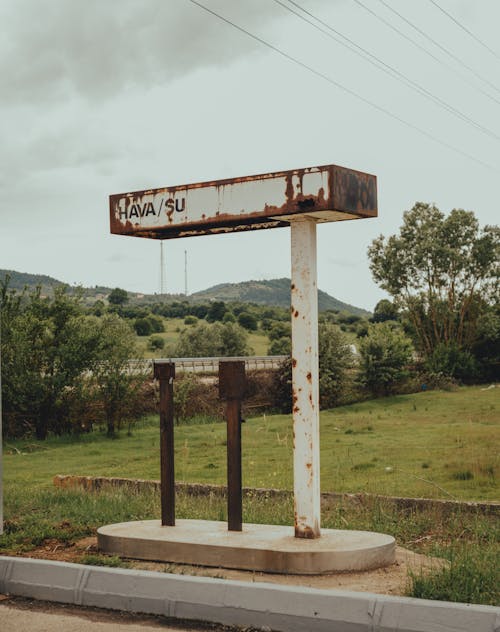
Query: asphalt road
<point x="26" y="615"/>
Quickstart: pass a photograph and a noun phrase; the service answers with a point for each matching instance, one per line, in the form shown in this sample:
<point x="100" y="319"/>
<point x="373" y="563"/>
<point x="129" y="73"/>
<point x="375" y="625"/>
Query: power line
<point x="440" y="46"/>
<point x="426" y="51"/>
<point x="464" y="28"/>
<point x="381" y="65"/>
<point x="340" y="86"/>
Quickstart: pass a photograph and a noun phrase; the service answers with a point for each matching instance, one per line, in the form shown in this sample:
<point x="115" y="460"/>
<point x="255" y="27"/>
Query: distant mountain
<point x="19" y="280"/>
<point x="271" y="292"/>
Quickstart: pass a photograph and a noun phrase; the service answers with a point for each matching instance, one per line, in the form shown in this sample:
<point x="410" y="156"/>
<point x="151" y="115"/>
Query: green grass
<point x="431" y="444"/>
<point x="37" y="516"/>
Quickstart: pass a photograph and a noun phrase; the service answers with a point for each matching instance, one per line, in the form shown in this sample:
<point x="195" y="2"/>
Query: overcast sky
<point x="108" y="96"/>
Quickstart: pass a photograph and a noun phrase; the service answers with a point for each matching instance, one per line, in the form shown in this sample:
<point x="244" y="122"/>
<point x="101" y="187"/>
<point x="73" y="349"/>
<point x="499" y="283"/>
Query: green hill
<point x="270" y="292"/>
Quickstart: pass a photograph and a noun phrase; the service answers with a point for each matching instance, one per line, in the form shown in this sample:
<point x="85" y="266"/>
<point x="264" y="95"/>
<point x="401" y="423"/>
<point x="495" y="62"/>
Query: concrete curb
<point x="260" y="605"/>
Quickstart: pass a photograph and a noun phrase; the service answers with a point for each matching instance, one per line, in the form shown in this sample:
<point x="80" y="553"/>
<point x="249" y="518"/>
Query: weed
<point x="113" y="561"/>
<point x="465" y="475"/>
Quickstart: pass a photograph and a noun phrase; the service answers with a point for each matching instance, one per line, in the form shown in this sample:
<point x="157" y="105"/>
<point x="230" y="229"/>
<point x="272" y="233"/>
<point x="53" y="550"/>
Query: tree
<point x="216" y="311"/>
<point x="384" y="310"/>
<point x="442" y="273"/>
<point x="205" y="340"/>
<point x="248" y="321"/>
<point x="385" y="354"/>
<point x="335" y="358"/>
<point x="143" y="326"/>
<point x="118" y="388"/>
<point x="48" y="344"/>
<point x="118" y="296"/>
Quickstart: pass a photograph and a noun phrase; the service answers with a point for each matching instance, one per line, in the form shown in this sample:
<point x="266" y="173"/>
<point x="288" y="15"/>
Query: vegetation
<point x="61" y="365"/>
<point x="408" y="445"/>
<point x="217" y="339"/>
<point x="385" y="355"/>
<point x="380" y="446"/>
<point x="443" y="275"/>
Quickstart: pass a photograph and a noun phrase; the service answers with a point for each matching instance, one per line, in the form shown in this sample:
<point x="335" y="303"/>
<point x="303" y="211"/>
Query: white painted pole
<point x="1" y="447"/>
<point x="305" y="379"/>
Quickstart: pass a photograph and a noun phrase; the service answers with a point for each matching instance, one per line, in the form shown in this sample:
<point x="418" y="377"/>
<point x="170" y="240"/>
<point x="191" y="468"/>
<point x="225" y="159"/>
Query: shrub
<point x="385" y="353"/>
<point x="248" y="321"/>
<point x="449" y="360"/>
<point x="156" y="342"/>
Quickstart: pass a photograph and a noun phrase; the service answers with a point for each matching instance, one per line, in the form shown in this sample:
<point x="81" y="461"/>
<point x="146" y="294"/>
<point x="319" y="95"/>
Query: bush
<point x="143" y="327"/>
<point x="451" y="361"/>
<point x="385" y="354"/>
<point x="205" y="340"/>
<point x="248" y="321"/>
<point x="190" y="320"/>
<point x="335" y="358"/>
<point x="156" y="342"/>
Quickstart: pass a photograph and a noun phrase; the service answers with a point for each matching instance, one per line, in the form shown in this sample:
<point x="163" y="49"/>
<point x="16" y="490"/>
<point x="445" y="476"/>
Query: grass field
<point x="434" y="444"/>
<point x="431" y="444"/>
<point x="257" y="340"/>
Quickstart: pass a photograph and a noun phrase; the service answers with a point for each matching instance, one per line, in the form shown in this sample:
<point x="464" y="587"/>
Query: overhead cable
<point x="345" y="41"/>
<point x="427" y="52"/>
<point x="345" y="89"/>
<point x="464" y="28"/>
<point x="440" y="46"/>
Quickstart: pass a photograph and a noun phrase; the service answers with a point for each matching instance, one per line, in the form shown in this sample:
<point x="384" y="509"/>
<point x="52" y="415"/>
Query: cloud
<point x="96" y="48"/>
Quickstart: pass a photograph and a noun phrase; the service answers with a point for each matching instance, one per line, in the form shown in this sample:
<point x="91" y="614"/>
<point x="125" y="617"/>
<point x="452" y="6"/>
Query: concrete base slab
<point x="267" y="548"/>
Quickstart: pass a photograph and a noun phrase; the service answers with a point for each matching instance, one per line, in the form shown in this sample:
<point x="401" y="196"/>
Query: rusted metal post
<point x="232" y="389"/>
<point x="305" y="378"/>
<point x="165" y="373"/>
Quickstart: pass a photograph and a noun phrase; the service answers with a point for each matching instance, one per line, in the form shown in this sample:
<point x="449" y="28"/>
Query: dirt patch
<point x="392" y="580"/>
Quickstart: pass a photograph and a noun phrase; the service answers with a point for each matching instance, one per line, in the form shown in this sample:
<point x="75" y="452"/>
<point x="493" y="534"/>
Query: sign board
<point x="326" y="194"/>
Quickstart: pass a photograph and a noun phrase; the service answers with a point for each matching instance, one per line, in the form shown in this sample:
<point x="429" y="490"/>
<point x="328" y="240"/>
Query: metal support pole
<point x="165" y="373"/>
<point x="1" y="448"/>
<point x="232" y="389"/>
<point x="305" y="378"/>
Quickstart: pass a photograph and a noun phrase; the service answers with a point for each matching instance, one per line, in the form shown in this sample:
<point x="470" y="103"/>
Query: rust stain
<point x="304" y="532"/>
<point x="349" y="191"/>
<point x="309" y="377"/>
<point x="294" y="362"/>
<point x="295" y="314"/>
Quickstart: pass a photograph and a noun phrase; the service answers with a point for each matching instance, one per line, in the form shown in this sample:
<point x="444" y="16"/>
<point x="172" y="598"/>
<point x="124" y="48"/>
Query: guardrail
<point x="211" y="365"/>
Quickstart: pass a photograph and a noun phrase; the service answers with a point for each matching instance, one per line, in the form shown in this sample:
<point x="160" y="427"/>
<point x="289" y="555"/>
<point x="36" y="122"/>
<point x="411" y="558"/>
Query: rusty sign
<point x="326" y="194"/>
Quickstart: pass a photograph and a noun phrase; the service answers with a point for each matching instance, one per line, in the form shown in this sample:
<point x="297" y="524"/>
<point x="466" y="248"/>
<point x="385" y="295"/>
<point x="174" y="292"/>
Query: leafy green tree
<point x="118" y="296"/>
<point x="50" y="345"/>
<point x="486" y="348"/>
<point x="248" y="321"/>
<point x="385" y="354"/>
<point x="143" y="327"/>
<point x="442" y="273"/>
<point x="205" y="340"/>
<point x="384" y="310"/>
<point x="335" y="358"/>
<point x="216" y="311"/>
<point x="119" y="389"/>
<point x="280" y="346"/>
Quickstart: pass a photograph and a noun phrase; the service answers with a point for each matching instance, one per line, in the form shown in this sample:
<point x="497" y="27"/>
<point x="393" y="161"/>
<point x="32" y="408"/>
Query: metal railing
<point x="211" y="365"/>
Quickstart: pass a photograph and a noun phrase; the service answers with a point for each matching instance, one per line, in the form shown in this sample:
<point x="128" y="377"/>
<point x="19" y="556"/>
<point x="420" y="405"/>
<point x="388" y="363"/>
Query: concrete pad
<point x="267" y="548"/>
